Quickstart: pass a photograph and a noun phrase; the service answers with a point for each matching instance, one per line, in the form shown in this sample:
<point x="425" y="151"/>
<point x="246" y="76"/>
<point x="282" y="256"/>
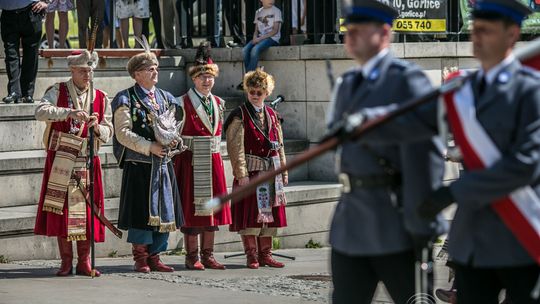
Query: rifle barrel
<point x="332" y="142"/>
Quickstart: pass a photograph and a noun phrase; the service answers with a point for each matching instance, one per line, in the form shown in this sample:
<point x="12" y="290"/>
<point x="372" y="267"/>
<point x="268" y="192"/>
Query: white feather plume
<point x="143" y="42"/>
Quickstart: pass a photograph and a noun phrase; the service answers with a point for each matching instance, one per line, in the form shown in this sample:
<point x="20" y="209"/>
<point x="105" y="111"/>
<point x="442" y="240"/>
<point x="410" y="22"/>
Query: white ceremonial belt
<point x="215" y="142"/>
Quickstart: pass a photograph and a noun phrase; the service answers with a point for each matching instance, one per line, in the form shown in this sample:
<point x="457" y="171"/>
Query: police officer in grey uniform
<point x="375" y="224"/>
<point x="487" y="255"/>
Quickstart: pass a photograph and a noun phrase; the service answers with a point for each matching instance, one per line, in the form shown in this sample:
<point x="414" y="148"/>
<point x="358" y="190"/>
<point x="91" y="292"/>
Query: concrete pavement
<point x="304" y="280"/>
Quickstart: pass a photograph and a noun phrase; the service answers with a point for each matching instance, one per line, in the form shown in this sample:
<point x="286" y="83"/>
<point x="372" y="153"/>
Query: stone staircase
<point x="21" y="166"/>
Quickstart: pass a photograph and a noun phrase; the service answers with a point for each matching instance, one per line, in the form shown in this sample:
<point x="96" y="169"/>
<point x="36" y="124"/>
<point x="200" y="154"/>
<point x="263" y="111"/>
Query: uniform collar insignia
<point x="504" y="77"/>
<point x="374" y="74"/>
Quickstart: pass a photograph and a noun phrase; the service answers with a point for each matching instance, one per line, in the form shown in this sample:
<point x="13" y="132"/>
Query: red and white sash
<point x="520" y="210"/>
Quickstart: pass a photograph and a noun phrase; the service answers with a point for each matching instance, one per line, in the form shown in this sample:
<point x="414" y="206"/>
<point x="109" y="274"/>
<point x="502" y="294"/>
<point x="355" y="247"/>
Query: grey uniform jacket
<point x="509" y="111"/>
<point x="366" y="221"/>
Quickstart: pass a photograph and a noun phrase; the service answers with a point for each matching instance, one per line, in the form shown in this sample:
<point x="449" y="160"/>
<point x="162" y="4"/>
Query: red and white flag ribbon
<point x="520" y="210"/>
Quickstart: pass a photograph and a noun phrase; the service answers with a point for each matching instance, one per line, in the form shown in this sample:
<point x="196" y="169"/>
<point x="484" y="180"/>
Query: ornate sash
<point x="76" y="230"/>
<point x="280" y="199"/>
<point x="202" y="174"/>
<point x="67" y="147"/>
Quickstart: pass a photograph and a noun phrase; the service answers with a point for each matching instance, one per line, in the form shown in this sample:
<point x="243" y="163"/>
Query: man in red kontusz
<point x="199" y="169"/>
<point x="62" y="210"/>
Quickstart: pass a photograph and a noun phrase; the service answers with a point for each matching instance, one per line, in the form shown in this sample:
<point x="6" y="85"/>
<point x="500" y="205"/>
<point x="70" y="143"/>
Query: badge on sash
<point x="263" y="196"/>
<point x="279" y="192"/>
<point x="263" y="202"/>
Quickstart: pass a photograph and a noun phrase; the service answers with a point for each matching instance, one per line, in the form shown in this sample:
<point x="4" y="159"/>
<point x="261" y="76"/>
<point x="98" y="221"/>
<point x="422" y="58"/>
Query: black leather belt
<point x="369" y="181"/>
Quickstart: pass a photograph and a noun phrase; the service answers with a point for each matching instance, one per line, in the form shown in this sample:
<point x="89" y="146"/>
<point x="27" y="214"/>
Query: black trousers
<point x="483" y="285"/>
<point x="251" y="7"/>
<point x="156" y="17"/>
<point x="321" y="19"/>
<point x="88" y="13"/>
<point x="21" y="26"/>
<point x="184" y="9"/>
<point x="355" y="278"/>
<point x="213" y="32"/>
<point x="232" y="11"/>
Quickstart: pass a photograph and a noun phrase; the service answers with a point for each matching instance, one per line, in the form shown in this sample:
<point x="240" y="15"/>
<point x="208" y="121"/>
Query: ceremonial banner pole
<point x="353" y="127"/>
<point x="90" y="165"/>
<point x="91" y="182"/>
<point x="112" y="26"/>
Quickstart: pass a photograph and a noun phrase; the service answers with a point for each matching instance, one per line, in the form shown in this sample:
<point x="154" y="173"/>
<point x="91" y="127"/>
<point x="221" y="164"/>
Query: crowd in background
<point x="255" y="25"/>
<point x="176" y="22"/>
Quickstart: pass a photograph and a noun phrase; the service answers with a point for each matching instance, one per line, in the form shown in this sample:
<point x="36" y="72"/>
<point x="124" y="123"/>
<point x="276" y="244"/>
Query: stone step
<point x="21" y="173"/>
<point x="309" y="209"/>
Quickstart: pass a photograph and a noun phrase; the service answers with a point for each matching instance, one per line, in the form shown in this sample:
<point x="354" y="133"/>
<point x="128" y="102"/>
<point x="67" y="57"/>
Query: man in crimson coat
<point x="199" y="169"/>
<point x="62" y="210"/>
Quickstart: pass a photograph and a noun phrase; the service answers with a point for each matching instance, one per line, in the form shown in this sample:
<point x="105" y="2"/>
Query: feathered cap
<point x="142" y="60"/>
<point x="203" y="62"/>
<point x="85" y="58"/>
<point x="259" y="79"/>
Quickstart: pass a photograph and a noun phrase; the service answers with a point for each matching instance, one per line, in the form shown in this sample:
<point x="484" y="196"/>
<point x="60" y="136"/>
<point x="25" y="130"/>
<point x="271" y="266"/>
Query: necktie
<point x="208" y="108"/>
<point x="357" y="81"/>
<point x="153" y="101"/>
<point x="260" y="115"/>
<point x="482" y="86"/>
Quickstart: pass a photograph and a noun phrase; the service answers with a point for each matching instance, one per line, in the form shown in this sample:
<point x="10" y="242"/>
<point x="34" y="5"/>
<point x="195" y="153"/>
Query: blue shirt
<point x="15" y="4"/>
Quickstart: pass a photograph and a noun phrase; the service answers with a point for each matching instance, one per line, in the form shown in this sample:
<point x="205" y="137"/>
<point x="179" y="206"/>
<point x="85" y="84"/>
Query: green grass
<point x="276" y="243"/>
<point x="313" y="245"/>
<point x="176" y="251"/>
<point x="3" y="260"/>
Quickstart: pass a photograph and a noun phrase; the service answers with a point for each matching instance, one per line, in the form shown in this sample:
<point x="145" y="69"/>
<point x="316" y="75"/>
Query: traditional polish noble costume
<point x="62" y="210"/>
<point x="199" y="169"/>
<point x="255" y="145"/>
<point x="150" y="205"/>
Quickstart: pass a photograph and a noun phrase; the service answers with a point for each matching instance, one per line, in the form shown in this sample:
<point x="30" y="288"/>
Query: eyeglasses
<point x="206" y="77"/>
<point x="256" y="92"/>
<point x="152" y="70"/>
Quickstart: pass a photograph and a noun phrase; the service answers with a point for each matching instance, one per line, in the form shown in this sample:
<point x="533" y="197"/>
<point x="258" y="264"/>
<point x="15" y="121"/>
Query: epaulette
<point x="400" y="64"/>
<point x="350" y="71"/>
<point x="528" y="71"/>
